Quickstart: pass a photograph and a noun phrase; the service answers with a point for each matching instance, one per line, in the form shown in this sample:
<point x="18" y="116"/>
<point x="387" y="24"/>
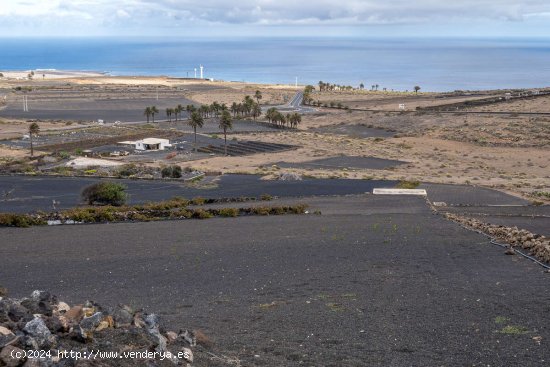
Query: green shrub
<point x="128" y="170"/>
<point x="228" y="212"/>
<point x="266" y="197"/>
<point x="201" y="214"/>
<point x="105" y="193"/>
<point x="171" y="172"/>
<point x="20" y="220"/>
<point x="198" y="201"/>
<point x="407" y="184"/>
<point x="261" y="210"/>
<point x="64" y="155"/>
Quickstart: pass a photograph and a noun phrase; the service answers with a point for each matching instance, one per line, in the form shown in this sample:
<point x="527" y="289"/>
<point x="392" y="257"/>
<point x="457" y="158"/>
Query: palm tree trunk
<point x="225" y="137"/>
<point x="195" y="130"/>
<point x="32" y="148"/>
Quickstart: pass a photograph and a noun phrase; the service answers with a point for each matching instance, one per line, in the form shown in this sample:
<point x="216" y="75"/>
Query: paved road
<point x="37" y="193"/>
<point x="374" y="281"/>
<point x="294" y="105"/>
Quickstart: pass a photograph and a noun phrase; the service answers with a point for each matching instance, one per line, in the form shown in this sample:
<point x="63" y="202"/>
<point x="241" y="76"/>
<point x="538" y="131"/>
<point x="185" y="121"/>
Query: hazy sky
<point x="481" y="18"/>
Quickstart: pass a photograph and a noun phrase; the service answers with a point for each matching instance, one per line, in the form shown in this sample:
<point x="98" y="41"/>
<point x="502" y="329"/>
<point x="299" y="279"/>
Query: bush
<point x="407" y="184"/>
<point x="228" y="212"/>
<point x="198" y="201"/>
<point x="266" y="197"/>
<point x="128" y="170"/>
<point x="105" y="193"/>
<point x="19" y="220"/>
<point x="171" y="172"/>
<point x="201" y="214"/>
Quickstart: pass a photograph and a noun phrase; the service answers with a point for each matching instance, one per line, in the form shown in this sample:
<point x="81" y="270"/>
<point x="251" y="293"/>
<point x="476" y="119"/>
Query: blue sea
<point x="399" y="64"/>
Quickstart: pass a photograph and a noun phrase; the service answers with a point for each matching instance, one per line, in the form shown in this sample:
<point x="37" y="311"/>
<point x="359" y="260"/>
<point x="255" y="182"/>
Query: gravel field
<point x="351" y="287"/>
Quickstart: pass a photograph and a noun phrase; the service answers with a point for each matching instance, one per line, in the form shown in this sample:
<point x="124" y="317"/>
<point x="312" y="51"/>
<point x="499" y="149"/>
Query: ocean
<point x="399" y="64"/>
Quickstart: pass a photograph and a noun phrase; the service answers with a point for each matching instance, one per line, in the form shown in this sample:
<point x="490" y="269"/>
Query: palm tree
<point x="33" y="130"/>
<point x="234" y="109"/>
<point x="297" y="118"/>
<point x="258" y="96"/>
<point x="169" y="112"/>
<point x="321" y="86"/>
<point x="248" y="103"/>
<point x="147" y="113"/>
<point x="416" y="89"/>
<point x="256" y="111"/>
<point x="154" y="110"/>
<point x="178" y="110"/>
<point x="225" y="123"/>
<point x="361" y="86"/>
<point x="195" y="121"/>
<point x="270" y="114"/>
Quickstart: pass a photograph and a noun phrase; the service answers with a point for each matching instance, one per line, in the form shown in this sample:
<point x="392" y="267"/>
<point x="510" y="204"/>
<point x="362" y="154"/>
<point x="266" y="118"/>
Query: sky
<point x="232" y="18"/>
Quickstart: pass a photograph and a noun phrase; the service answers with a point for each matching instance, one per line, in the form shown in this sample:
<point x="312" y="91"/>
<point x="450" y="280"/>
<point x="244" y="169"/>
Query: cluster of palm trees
<point x="196" y="120"/>
<point x="176" y="112"/>
<point x="329" y="87"/>
<point x="150" y="112"/>
<point x="248" y="107"/>
<point x="279" y="119"/>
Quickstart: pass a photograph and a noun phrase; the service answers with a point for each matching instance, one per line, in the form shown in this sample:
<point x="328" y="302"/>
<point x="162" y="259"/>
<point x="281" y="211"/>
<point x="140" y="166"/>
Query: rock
<point x="102" y="325"/>
<point x="187" y="354"/>
<point x="54" y="324"/>
<point x="6" y="340"/>
<point x="171" y="336"/>
<point x="510" y="251"/>
<point x="189" y="337"/>
<point x="63" y="307"/>
<point x="3" y="292"/>
<point x="17" y="313"/>
<point x="6" y="358"/>
<point x="75" y="314"/>
<point x="37" y="307"/>
<point x="40" y="336"/>
<point x="138" y="321"/>
<point x="5" y="331"/>
<point x="123" y="316"/>
<point x="89" y="324"/>
<point x="152" y="326"/>
<point x="43" y="296"/>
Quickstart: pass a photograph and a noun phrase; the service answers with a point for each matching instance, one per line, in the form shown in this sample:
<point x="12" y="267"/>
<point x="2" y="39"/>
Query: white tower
<point x="202" y="68"/>
<point x="195" y="73"/>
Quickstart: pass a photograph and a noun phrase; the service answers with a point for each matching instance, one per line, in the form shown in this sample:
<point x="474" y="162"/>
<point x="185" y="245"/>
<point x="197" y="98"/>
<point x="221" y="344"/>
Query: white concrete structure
<point x="149" y="144"/>
<point x="202" y="69"/>
<point x="402" y="106"/>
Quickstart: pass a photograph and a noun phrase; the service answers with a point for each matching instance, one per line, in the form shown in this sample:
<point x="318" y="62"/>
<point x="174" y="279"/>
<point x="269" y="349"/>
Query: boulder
<point x="39" y="336"/>
<point x="6" y="358"/>
<point x="89" y="324"/>
<point x="123" y="316"/>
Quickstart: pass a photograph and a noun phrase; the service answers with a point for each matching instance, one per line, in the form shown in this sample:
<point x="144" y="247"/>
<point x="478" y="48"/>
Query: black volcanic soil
<point x="374" y="281"/>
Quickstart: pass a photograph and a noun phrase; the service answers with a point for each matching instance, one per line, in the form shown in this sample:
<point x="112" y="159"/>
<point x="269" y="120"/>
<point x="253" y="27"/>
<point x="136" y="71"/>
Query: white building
<point x="149" y="144"/>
